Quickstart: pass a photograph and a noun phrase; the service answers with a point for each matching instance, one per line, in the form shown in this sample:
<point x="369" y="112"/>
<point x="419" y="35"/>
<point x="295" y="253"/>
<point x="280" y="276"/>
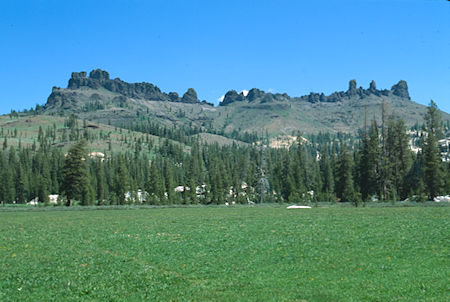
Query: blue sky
<point x="214" y="46"/>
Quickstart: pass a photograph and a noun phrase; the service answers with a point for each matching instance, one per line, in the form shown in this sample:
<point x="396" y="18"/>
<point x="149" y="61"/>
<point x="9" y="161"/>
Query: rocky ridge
<point x="99" y="79"/>
<point x="97" y="97"/>
<point x="400" y="90"/>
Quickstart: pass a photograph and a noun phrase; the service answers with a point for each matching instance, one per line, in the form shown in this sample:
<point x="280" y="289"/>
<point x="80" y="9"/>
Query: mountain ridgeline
<point x="99" y="79"/>
<point x="101" y="99"/>
<point x="399" y="90"/>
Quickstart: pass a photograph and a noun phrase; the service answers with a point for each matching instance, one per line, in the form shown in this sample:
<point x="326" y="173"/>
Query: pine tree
<point x="432" y="176"/>
<point x="44" y="182"/>
<point x="344" y="181"/>
<point x="190" y="195"/>
<point x="384" y="165"/>
<point x="75" y="172"/>
<point x="7" y="192"/>
<point x="398" y="155"/>
<point x="287" y="181"/>
<point x="155" y="185"/>
<point x="87" y="194"/>
<point x="100" y="182"/>
<point x="42" y="190"/>
<point x="368" y="169"/>
<point x="121" y="181"/>
<point x="168" y="181"/>
<point x="299" y="169"/>
<point x="326" y="172"/>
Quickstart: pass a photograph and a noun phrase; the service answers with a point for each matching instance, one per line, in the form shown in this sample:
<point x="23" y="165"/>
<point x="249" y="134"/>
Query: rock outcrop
<point x="373" y="87"/>
<point x="190" y="97"/>
<point x="100" y="79"/>
<point x="231" y="97"/>
<point x="256" y="95"/>
<point x="401" y="90"/>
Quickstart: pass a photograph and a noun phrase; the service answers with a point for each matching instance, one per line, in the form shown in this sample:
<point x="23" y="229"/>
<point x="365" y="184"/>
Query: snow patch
<point x="298" y="207"/>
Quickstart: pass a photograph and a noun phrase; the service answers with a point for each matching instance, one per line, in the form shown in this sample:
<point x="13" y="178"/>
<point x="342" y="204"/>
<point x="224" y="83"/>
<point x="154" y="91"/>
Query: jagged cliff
<point x="97" y="97"/>
<point x="254" y="95"/>
<point x="99" y="80"/>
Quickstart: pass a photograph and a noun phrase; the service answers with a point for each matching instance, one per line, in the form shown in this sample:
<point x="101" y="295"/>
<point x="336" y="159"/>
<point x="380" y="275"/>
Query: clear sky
<point x="214" y="46"/>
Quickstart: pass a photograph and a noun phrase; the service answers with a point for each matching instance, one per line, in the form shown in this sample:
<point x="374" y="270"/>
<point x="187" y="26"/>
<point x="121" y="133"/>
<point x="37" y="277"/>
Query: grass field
<point x="226" y="254"/>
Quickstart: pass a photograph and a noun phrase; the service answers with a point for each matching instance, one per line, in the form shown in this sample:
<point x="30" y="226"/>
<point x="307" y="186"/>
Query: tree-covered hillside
<point x="154" y="164"/>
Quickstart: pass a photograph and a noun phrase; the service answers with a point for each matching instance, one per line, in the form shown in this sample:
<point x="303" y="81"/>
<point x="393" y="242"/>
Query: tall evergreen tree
<point x="75" y="172"/>
<point x="344" y="181"/>
<point x="300" y="177"/>
<point x="398" y="155"/>
<point x="368" y="170"/>
<point x="288" y="191"/>
<point x="384" y="164"/>
<point x="168" y="180"/>
<point x="326" y="172"/>
<point x="121" y="180"/>
<point x="155" y="185"/>
<point x="44" y="182"/>
<point x="100" y="182"/>
<point x="432" y="176"/>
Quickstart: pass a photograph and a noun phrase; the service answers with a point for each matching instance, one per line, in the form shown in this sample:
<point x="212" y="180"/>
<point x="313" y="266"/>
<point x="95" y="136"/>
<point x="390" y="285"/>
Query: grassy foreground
<point x="226" y="254"/>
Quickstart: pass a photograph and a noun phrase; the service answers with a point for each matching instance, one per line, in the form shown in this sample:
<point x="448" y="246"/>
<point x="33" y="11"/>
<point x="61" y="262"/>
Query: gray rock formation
<point x="352" y="88"/>
<point x="99" y="78"/>
<point x="174" y="97"/>
<point x="231" y="97"/>
<point x="401" y="90"/>
<point x="254" y="94"/>
<point x="190" y="97"/>
<point x="99" y="75"/>
<point x="373" y="87"/>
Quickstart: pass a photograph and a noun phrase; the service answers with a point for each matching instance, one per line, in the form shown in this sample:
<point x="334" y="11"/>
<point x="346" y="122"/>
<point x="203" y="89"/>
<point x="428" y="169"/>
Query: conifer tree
<point x="121" y="180"/>
<point x="168" y="181"/>
<point x="100" y="182"/>
<point x="42" y="190"/>
<point x="44" y="182"/>
<point x="344" y="181"/>
<point x="368" y="169"/>
<point x="326" y="172"/>
<point x="299" y="169"/>
<point x="75" y="172"/>
<point x="432" y="176"/>
<point x="384" y="165"/>
<point x="398" y="155"/>
<point x="287" y="181"/>
<point x="155" y="184"/>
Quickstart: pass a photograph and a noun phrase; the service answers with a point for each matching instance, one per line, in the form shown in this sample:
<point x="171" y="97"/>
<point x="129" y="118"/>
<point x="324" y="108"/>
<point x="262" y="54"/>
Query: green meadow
<point x="226" y="254"/>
